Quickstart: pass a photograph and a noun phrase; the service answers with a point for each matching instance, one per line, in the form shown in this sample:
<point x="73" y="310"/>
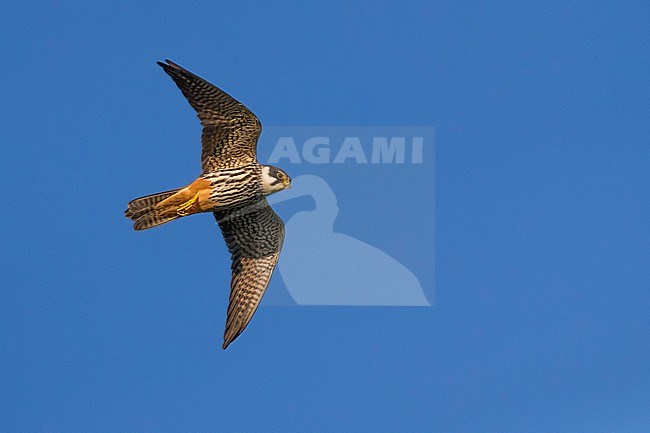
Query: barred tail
<point x="145" y="214"/>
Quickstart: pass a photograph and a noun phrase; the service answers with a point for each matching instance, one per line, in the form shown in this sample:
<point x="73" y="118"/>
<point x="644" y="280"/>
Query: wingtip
<point x="168" y="63"/>
<point x="227" y="341"/>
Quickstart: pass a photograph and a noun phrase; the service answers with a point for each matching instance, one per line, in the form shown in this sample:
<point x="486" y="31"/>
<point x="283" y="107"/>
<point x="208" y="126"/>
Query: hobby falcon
<point x="233" y="186"/>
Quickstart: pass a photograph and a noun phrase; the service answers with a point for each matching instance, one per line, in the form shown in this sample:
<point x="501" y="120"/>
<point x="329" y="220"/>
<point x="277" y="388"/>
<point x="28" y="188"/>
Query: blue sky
<point x="540" y="320"/>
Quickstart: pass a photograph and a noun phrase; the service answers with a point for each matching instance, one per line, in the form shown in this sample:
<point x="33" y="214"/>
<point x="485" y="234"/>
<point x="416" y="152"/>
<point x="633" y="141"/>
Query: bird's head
<point x="274" y="179"/>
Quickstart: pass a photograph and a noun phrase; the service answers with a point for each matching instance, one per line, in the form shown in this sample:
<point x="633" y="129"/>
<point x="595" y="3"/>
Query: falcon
<point x="233" y="186"/>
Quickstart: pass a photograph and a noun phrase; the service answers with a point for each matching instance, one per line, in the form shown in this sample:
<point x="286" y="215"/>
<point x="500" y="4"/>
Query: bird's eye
<point x="280" y="176"/>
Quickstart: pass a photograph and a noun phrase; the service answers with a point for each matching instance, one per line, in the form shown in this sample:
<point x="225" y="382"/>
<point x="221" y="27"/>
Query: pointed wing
<point x="254" y="234"/>
<point x="230" y="130"/>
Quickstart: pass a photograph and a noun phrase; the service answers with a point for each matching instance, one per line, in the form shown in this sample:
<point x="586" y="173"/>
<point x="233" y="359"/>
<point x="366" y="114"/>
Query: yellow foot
<point x="189" y="207"/>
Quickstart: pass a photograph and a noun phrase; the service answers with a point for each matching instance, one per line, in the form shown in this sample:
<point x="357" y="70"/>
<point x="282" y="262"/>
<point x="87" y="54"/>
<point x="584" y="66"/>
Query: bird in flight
<point x="233" y="186"/>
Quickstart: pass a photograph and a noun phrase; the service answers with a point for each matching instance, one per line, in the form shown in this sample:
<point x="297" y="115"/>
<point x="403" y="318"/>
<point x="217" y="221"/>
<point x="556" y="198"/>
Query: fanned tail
<point x="145" y="214"/>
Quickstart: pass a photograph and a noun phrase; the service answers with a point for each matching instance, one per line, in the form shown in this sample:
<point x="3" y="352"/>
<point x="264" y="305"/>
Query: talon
<point x="188" y="207"/>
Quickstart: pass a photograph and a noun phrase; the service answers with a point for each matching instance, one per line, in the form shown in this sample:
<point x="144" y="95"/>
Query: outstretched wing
<point x="230" y="130"/>
<point x="254" y="234"/>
